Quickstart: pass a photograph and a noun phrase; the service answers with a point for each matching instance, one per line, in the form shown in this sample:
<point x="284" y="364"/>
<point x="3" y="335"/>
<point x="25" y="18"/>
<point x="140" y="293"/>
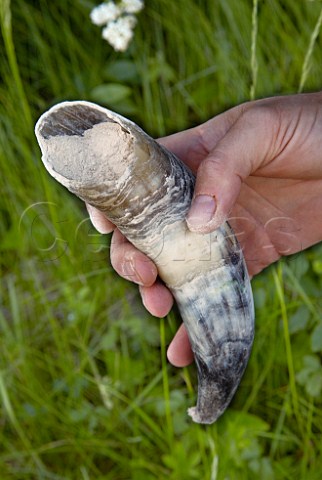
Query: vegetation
<point x="85" y="389"/>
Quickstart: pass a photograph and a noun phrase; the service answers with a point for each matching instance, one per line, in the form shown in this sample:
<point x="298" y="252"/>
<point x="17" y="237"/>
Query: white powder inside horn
<point x="101" y="153"/>
<point x="110" y="146"/>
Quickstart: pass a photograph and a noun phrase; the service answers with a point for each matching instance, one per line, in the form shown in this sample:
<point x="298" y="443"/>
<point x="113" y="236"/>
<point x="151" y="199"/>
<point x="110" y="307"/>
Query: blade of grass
<point x="166" y="389"/>
<point x="307" y="441"/>
<point x="253" y="60"/>
<point x="6" y="27"/>
<point x="308" y="56"/>
<point x="278" y="279"/>
<point x="4" y="395"/>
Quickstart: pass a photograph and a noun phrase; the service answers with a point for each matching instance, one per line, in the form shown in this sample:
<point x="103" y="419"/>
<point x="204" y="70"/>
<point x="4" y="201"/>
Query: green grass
<point x="85" y="389"/>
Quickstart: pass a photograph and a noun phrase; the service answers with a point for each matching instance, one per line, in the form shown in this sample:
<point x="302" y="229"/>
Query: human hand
<point x="259" y="165"/>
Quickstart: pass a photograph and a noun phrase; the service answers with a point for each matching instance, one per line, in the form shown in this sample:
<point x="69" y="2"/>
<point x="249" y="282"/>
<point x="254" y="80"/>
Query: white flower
<point x="120" y="33"/>
<point x="132" y="6"/>
<point x="104" y="13"/>
<point x="119" y="21"/>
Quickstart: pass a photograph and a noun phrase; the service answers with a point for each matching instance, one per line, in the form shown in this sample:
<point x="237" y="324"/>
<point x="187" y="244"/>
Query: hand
<point x="259" y="165"/>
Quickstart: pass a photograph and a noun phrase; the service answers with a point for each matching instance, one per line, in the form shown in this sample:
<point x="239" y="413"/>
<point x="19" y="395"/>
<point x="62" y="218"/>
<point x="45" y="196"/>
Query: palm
<point x="276" y="217"/>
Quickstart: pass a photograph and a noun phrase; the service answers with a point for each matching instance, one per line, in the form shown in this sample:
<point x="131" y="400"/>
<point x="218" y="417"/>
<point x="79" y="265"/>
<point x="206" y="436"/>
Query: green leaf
<point x="312" y="362"/>
<point x="310" y="376"/>
<point x="303" y="376"/>
<point x="316" y="339"/>
<point x="122" y="71"/>
<point x="314" y="384"/>
<point x="299" y="265"/>
<point x="125" y="107"/>
<point x="159" y="68"/>
<point x="317" y="266"/>
<point x="247" y="422"/>
<point x="263" y="469"/>
<point x="299" y="319"/>
<point x="110" y="93"/>
<point x="109" y="340"/>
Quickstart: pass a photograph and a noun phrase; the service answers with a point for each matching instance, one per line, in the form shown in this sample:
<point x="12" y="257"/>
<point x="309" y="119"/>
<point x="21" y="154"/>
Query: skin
<point x="259" y="165"/>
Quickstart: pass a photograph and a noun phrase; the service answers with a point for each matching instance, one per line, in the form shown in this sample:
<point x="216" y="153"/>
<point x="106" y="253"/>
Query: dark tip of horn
<point x="71" y="119"/>
<point x="218" y="379"/>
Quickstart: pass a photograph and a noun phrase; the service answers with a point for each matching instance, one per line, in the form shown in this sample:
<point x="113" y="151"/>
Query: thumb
<point x="240" y="152"/>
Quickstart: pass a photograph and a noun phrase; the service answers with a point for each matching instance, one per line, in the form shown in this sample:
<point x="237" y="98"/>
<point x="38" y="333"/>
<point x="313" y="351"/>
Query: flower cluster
<point x="119" y="21"/>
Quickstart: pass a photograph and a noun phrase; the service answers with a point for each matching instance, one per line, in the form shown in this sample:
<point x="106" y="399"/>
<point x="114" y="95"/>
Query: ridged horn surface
<point x="146" y="191"/>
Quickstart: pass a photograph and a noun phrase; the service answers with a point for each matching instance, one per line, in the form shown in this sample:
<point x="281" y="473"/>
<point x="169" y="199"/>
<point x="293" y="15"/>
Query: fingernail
<point x="201" y="212"/>
<point x="146" y="271"/>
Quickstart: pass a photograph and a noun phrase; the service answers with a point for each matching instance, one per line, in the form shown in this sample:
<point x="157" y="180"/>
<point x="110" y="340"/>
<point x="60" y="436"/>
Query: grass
<point x="85" y="389"/>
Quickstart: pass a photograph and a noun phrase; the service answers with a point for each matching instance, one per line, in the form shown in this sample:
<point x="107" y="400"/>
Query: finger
<point x="99" y="221"/>
<point x="179" y="351"/>
<point x="130" y="263"/>
<point x="193" y="145"/>
<point x="157" y="299"/>
<point x="244" y="147"/>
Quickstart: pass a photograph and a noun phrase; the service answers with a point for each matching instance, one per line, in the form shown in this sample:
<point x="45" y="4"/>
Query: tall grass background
<point x="85" y="388"/>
